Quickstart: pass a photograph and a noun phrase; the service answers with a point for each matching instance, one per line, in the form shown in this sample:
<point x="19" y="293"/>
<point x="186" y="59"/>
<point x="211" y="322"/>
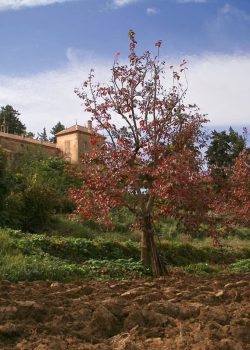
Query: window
<point x="85" y="145"/>
<point x="67" y="147"/>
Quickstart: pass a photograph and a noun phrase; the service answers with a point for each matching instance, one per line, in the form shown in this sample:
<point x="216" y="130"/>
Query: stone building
<point x="71" y="143"/>
<point x="74" y="141"/>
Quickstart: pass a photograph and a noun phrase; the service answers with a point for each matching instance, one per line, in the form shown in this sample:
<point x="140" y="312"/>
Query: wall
<point x="70" y="145"/>
<point x="15" y="144"/>
<point x="72" y="138"/>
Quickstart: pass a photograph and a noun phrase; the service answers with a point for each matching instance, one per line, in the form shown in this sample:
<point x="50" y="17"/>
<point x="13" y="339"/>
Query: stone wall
<point x="15" y="144"/>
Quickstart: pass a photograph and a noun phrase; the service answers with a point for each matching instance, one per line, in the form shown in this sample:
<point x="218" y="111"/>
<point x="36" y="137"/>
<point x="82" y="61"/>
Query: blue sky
<point x="48" y="46"/>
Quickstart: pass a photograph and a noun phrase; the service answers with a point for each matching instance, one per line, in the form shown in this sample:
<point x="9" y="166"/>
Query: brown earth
<point x="172" y="313"/>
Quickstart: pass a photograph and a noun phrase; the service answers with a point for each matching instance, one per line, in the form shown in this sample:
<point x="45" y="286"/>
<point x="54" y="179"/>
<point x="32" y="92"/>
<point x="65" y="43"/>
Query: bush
<point x="13" y="211"/>
<point x="77" y="249"/>
<point x="31" y="210"/>
<point x="39" y="188"/>
<point x="39" y="203"/>
<point x="62" y="226"/>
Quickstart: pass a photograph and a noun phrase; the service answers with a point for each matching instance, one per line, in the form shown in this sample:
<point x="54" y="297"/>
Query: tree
<point x="9" y="121"/>
<point x="43" y="135"/>
<point x="39" y="187"/>
<point x="150" y="162"/>
<point x="224" y="148"/>
<point x="57" y="128"/>
<point x="221" y="154"/>
<point x="30" y="134"/>
<point x="233" y="202"/>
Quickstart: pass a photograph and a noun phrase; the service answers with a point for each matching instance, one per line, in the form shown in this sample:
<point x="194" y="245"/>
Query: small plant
<point x="241" y="266"/>
<point x="201" y="268"/>
<point x="40" y="257"/>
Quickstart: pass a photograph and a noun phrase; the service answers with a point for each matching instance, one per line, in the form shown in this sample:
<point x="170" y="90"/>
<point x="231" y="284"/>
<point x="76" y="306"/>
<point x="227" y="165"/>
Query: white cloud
<point x="219" y="84"/>
<point x="121" y="3"/>
<point x="76" y="56"/>
<point x="152" y="11"/>
<point x="19" y="4"/>
<point x="46" y="98"/>
<point x="189" y="1"/>
<point x="229" y="10"/>
<point x="226" y="9"/>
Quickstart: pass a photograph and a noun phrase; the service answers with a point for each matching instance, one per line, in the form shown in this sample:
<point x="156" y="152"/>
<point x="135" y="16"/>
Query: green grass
<point x="202" y="268"/>
<point x="33" y="257"/>
<point x="61" y="226"/>
<point x="38" y="257"/>
<point x="77" y="250"/>
<point x="45" y="267"/>
<point x="241" y="266"/>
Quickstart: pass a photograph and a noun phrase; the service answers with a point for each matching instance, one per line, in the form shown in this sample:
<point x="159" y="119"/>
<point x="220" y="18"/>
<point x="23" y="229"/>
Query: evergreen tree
<point x="9" y="121"/>
<point x="30" y="134"/>
<point x="43" y="135"/>
<point x="224" y="148"/>
<point x="57" y="128"/>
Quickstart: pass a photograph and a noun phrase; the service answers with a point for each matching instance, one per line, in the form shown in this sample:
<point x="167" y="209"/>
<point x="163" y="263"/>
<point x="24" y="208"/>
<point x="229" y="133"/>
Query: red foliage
<point x="151" y="161"/>
<point x="233" y="202"/>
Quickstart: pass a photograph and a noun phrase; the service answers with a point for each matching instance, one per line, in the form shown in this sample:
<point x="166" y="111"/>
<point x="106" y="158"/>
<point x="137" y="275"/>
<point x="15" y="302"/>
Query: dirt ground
<point x="172" y="313"/>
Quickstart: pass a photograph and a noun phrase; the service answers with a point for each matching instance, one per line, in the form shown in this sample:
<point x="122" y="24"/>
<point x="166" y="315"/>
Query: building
<point x="70" y="144"/>
<point x="75" y="141"/>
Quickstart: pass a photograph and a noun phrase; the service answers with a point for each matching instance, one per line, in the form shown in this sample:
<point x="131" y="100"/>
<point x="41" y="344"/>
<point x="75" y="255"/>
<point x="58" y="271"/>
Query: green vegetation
<point x="37" y="190"/>
<point x="241" y="266"/>
<point x="201" y="268"/>
<point x="33" y="198"/>
<point x="224" y="148"/>
<point x="39" y="256"/>
<point x="56" y="129"/>
<point x="43" y="135"/>
<point x="32" y="257"/>
<point x="3" y="179"/>
<point x="9" y="121"/>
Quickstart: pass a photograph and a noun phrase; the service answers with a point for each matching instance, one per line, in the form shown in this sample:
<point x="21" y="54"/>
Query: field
<point x="82" y="291"/>
<point x="176" y="312"/>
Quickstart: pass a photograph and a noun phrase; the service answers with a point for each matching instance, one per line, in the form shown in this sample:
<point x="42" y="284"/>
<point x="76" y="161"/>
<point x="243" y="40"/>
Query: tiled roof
<point x="73" y="129"/>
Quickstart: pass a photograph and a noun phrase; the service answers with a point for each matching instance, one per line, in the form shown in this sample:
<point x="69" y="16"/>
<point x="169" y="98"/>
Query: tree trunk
<point x="145" y="256"/>
<point x="149" y="254"/>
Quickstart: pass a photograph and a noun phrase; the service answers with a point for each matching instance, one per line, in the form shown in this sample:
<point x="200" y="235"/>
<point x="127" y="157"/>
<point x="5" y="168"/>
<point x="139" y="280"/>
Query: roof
<point x="79" y="128"/>
<point x="26" y="139"/>
<point x="74" y="128"/>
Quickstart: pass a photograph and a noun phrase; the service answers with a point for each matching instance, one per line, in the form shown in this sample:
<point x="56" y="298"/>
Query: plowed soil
<point x="172" y="313"/>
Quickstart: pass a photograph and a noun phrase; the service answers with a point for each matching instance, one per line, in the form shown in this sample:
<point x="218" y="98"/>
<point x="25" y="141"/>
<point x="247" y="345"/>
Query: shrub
<point x="77" y="249"/>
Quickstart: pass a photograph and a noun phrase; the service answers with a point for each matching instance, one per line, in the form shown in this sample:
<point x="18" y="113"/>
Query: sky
<point x="47" y="48"/>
